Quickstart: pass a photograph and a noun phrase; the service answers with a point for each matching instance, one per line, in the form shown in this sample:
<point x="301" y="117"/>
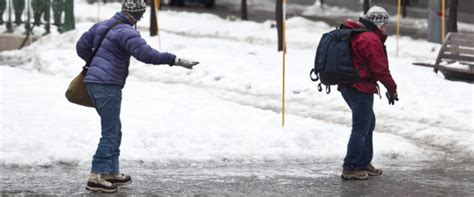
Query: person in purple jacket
<point x="106" y="78"/>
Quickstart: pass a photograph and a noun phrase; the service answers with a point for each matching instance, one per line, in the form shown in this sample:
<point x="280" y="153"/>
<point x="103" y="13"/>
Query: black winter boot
<point x="96" y="183"/>
<point x="118" y="179"/>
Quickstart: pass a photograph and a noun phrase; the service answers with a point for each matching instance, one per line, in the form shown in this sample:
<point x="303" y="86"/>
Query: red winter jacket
<point x="369" y="56"/>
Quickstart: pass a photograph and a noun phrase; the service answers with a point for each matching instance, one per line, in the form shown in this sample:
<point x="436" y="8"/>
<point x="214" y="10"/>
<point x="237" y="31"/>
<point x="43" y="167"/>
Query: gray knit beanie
<point x="377" y="15"/>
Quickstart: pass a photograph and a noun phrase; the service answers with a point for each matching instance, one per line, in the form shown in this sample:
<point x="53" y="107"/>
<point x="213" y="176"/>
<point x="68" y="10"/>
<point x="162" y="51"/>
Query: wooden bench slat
<point x="456" y="70"/>
<point x="456" y="50"/>
<point x="464" y="43"/>
<point x="457" y="57"/>
<point x="461" y="35"/>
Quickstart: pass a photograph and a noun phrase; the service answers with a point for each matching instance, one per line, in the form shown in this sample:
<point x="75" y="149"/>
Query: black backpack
<point x="333" y="61"/>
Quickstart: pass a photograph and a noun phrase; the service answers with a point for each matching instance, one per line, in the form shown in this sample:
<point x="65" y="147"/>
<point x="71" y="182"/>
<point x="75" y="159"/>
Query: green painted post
<point x="3" y="5"/>
<point x="19" y="7"/>
<point x="47" y="17"/>
<point x="69" y="22"/>
<point x="28" y="26"/>
<point x="58" y="9"/>
<point x="9" y="22"/>
<point x="41" y="8"/>
<point x="38" y="7"/>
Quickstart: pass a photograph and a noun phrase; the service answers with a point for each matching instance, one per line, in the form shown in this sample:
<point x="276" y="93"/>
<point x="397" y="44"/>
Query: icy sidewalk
<point x="440" y="178"/>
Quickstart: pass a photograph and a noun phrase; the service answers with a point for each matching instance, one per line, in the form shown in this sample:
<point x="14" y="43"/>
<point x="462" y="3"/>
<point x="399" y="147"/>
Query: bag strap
<point x="86" y="67"/>
<point x="357" y="30"/>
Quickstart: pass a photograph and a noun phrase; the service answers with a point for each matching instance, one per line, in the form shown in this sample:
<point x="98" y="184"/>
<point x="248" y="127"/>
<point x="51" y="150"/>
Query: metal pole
<point x="443" y="20"/>
<point x="158" y="5"/>
<point x="284" y="66"/>
<point x="398" y="24"/>
<point x="98" y="10"/>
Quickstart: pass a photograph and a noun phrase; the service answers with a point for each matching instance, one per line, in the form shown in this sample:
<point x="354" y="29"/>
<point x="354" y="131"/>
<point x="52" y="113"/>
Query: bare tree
<point x="153" y="20"/>
<point x="244" y="10"/>
<point x="453" y="16"/>
<point x="366" y="6"/>
<point x="405" y="4"/>
<point x="279" y="21"/>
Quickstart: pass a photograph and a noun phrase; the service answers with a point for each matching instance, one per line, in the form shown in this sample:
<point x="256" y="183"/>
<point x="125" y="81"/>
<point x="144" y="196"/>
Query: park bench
<point x="456" y="57"/>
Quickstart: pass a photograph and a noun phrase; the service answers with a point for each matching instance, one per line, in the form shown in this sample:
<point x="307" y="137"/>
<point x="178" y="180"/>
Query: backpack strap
<point x="86" y="67"/>
<point x="357" y="31"/>
<point x="316" y="78"/>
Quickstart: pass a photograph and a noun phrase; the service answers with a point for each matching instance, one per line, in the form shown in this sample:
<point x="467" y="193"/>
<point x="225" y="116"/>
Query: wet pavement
<point x="434" y="178"/>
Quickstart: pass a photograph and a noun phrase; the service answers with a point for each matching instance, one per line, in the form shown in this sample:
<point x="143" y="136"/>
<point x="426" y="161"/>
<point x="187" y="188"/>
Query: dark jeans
<point x="107" y="100"/>
<point x="360" y="148"/>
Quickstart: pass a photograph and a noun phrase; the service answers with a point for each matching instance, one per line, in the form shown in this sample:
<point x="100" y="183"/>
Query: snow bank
<point x="164" y="123"/>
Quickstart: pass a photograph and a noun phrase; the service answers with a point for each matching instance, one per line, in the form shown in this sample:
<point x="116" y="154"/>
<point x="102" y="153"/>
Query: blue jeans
<point x="360" y="146"/>
<point x="107" y="100"/>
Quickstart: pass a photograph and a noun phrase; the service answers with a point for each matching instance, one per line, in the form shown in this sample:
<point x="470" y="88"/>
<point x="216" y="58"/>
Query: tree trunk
<point x="244" y="15"/>
<point x="453" y="16"/>
<point x="405" y="4"/>
<point x="153" y="20"/>
<point x="279" y="21"/>
<point x="366" y="6"/>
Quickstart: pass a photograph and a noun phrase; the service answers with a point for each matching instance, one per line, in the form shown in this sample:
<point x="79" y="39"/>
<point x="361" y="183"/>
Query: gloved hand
<point x="185" y="63"/>
<point x="391" y="97"/>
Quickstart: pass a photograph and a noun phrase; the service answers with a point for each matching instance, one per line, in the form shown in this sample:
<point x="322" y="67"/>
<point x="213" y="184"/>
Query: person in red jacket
<point x="369" y="56"/>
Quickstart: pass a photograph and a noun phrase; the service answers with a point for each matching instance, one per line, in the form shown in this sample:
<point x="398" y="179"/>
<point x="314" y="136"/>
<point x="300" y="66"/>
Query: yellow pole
<point x="398" y="23"/>
<point x="98" y="10"/>
<point x="157" y="4"/>
<point x="284" y="65"/>
<point x="443" y="20"/>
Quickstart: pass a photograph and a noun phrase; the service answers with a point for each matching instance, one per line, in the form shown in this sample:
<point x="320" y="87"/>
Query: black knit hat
<point x="132" y="6"/>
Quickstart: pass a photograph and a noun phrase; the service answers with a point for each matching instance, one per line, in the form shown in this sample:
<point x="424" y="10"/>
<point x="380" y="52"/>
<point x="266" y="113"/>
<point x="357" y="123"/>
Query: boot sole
<point x="373" y="174"/>
<point x="123" y="184"/>
<point x="98" y="189"/>
<point x="353" y="178"/>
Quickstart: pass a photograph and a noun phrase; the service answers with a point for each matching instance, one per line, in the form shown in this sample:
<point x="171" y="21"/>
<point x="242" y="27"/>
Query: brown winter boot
<point x="372" y="171"/>
<point x="354" y="175"/>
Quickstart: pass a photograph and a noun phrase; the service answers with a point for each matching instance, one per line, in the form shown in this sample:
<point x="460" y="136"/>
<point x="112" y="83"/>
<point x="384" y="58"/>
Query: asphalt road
<point x="433" y="178"/>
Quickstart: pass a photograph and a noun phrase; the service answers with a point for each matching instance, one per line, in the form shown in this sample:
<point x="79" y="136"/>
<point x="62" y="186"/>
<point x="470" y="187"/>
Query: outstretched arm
<point x="138" y="48"/>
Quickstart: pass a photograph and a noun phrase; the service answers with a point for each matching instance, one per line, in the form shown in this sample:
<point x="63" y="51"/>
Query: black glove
<point x="391" y="97"/>
<point x="185" y="63"/>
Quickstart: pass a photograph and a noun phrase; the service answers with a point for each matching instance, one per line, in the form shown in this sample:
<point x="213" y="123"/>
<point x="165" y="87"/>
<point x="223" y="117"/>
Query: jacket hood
<point x="350" y="24"/>
<point x="365" y="24"/>
<point x="123" y="17"/>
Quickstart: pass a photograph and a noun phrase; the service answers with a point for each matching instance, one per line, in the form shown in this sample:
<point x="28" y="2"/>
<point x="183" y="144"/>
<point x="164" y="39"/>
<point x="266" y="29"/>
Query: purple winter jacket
<point x="110" y="64"/>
